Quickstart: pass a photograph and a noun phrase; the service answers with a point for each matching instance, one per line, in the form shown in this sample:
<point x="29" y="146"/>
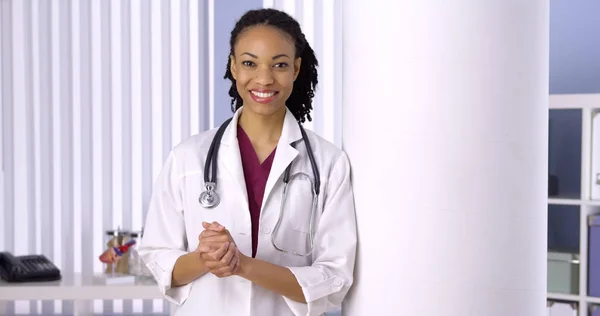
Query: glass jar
<point x="117" y="238"/>
<point x="137" y="266"/>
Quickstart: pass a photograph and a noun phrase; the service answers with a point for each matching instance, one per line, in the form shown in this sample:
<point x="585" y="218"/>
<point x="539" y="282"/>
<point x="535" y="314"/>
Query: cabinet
<point x="573" y="199"/>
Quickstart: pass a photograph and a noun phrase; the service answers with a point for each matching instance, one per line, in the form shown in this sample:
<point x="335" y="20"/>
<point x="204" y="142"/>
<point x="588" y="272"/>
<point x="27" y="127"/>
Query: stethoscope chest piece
<point x="209" y="198"/>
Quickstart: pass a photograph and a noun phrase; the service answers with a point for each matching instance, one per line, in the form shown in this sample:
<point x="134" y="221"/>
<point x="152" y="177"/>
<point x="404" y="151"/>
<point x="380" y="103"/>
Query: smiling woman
<point x="258" y="241"/>
<point x="263" y="67"/>
<point x="269" y="47"/>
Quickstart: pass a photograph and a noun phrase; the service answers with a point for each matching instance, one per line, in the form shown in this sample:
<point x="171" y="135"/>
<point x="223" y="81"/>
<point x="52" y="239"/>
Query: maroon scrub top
<point x="256" y="175"/>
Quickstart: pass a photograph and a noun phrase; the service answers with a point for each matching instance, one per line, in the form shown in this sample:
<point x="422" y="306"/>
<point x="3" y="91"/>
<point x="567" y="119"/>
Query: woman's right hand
<point x="218" y="250"/>
<point x="214" y="235"/>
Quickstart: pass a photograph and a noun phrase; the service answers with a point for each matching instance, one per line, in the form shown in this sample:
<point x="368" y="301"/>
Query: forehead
<point x="264" y="40"/>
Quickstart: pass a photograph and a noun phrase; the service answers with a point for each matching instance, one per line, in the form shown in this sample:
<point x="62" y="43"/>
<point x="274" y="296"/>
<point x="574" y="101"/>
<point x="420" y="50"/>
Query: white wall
<point x="460" y="200"/>
<point x="93" y="94"/>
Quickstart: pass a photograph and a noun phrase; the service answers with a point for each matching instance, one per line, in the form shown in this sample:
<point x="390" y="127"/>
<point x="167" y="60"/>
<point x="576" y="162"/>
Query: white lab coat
<point x="174" y="220"/>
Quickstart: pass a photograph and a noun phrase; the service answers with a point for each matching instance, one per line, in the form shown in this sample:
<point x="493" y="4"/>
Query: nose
<point x="264" y="76"/>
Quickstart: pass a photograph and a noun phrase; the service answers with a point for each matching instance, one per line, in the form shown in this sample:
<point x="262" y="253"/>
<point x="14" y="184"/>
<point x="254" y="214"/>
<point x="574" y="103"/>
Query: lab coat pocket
<point x="299" y="202"/>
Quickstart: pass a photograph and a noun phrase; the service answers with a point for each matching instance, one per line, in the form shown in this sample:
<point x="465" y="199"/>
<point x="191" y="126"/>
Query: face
<point x="264" y="68"/>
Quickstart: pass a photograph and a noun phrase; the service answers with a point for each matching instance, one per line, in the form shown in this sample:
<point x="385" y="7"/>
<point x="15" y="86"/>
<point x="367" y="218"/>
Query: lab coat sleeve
<point x="164" y="239"/>
<point x="326" y="282"/>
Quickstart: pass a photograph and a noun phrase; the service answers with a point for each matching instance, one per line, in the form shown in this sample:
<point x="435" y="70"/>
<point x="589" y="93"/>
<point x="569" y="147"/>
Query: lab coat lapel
<point x="231" y="157"/>
<point x="285" y="153"/>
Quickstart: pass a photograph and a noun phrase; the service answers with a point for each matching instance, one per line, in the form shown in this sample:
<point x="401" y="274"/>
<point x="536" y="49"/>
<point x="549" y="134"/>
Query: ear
<point x="297" y="64"/>
<point x="232" y="66"/>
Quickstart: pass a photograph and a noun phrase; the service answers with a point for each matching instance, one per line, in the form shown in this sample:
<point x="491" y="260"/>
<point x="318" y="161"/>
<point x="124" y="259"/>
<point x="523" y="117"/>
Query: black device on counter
<point x="31" y="268"/>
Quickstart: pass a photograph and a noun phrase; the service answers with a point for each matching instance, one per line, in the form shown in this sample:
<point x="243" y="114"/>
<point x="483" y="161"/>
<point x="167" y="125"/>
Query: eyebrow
<point x="274" y="57"/>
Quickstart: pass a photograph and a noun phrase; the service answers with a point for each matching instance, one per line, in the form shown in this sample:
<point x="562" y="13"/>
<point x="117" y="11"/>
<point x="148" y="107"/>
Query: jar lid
<point x="117" y="233"/>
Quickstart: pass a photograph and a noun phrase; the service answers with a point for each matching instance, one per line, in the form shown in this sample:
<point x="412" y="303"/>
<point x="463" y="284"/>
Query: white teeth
<point x="262" y="94"/>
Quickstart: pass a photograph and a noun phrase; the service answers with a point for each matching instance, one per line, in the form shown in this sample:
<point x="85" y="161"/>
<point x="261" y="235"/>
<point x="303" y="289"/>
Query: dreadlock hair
<point x="300" y="100"/>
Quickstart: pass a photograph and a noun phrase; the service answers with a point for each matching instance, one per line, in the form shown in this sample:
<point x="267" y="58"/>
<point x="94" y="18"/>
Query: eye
<point x="281" y="65"/>
<point x="248" y="63"/>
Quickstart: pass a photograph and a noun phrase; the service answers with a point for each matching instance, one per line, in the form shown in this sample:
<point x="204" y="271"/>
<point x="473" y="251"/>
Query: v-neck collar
<point x="230" y="155"/>
<point x="247" y="148"/>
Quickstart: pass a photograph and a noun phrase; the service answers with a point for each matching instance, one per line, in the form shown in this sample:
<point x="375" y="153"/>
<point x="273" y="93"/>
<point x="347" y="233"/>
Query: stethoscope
<point x="209" y="198"/>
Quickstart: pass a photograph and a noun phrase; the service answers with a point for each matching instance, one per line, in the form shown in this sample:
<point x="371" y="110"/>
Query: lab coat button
<point x="337" y="283"/>
<point x="266" y="230"/>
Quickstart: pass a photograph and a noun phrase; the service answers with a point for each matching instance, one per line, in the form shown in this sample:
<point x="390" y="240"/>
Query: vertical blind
<point x="93" y="94"/>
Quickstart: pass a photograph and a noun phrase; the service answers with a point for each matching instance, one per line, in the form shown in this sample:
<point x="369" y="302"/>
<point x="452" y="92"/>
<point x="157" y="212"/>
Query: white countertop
<point x="80" y="288"/>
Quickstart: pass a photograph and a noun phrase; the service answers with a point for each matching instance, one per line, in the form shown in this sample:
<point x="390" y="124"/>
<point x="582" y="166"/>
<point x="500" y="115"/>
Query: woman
<point x="256" y="252"/>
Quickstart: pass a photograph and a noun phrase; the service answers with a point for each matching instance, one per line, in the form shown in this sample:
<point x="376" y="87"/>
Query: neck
<point x="262" y="128"/>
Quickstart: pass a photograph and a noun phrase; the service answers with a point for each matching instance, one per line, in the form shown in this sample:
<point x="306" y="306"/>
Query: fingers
<point x="233" y="266"/>
<point x="218" y="250"/>
<point x="212" y="244"/>
<point x="206" y="248"/>
<point x="220" y="240"/>
<point x="211" y="233"/>
<point x="218" y="254"/>
<point x="205" y="225"/>
<point x="214" y="239"/>
<point x="235" y="263"/>
<point x="228" y="264"/>
<point x="217" y="259"/>
<point x="227" y="270"/>
<point x="229" y="255"/>
<point x="214" y="226"/>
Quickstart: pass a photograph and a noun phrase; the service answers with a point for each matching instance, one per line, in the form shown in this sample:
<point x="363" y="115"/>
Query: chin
<point x="264" y="109"/>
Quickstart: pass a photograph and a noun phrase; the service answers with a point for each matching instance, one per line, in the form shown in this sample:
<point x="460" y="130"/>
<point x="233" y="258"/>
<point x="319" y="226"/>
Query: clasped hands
<point x="218" y="250"/>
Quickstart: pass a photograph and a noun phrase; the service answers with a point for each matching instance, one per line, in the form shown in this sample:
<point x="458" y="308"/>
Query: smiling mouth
<point x="263" y="95"/>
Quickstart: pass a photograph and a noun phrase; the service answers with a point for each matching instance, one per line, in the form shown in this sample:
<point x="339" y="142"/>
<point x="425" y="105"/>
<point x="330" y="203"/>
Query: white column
<point x="445" y="123"/>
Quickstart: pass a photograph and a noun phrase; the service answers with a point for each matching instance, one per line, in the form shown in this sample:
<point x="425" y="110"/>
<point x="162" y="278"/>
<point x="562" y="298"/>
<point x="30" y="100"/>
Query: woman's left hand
<point x="218" y="250"/>
<point x="224" y="262"/>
